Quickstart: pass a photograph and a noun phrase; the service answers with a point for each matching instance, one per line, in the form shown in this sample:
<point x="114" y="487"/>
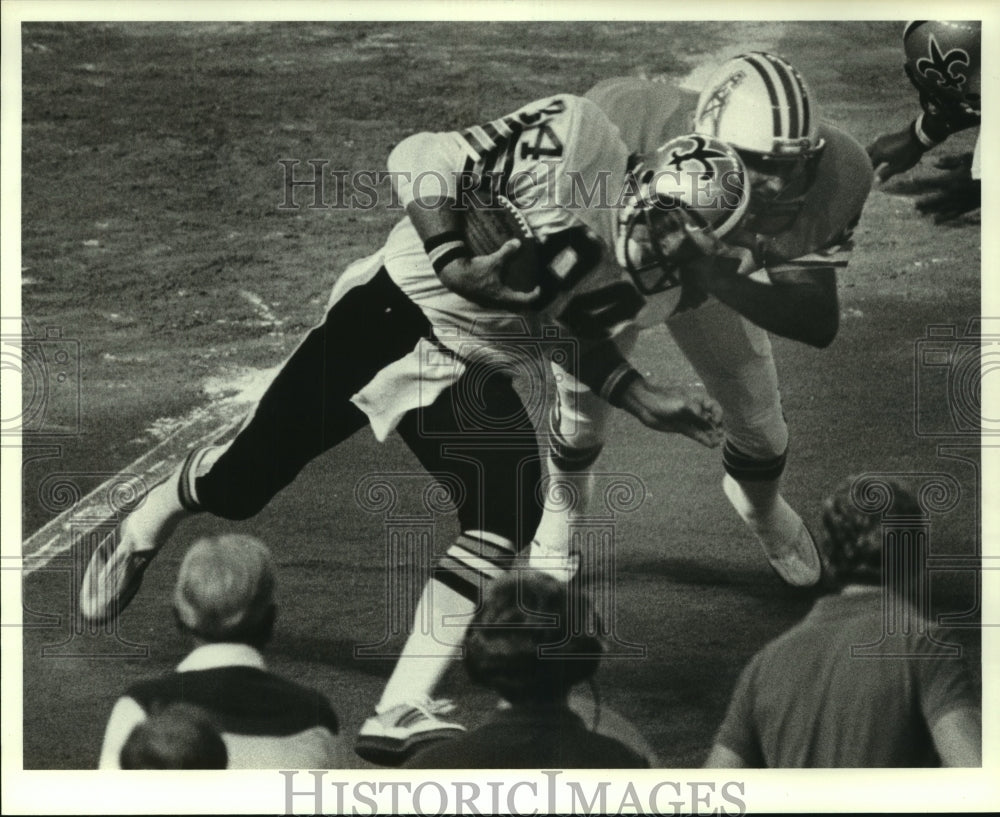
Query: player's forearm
<point x="930" y="129"/>
<point x="438" y="225"/>
<point x="939" y="121"/>
<point x="807" y="312"/>
<point x="605" y="371"/>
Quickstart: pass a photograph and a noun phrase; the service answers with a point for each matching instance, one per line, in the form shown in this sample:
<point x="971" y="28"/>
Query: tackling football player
<point x="774" y="272"/>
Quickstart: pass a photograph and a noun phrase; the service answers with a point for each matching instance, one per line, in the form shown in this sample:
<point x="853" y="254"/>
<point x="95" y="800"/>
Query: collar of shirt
<point x="535" y="713"/>
<point x="858" y="598"/>
<point x="211" y="656"/>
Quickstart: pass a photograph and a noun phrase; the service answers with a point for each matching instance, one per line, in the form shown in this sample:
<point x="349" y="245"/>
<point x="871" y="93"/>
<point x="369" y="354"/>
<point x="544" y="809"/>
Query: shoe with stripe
<point x="390" y="737"/>
<point x="113" y="576"/>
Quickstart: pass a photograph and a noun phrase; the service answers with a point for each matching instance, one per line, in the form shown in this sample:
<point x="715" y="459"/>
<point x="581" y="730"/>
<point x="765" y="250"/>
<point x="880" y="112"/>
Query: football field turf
<point x="154" y="241"/>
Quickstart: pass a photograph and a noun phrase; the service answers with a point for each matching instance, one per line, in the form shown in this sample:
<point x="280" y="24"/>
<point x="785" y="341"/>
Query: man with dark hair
<point x="862" y="681"/>
<point x="531" y="642"/>
<point x="181" y="736"/>
<point x="224" y="599"/>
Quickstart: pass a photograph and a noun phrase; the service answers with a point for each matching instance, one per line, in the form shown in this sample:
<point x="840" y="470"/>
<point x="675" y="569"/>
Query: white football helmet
<point x="692" y="180"/>
<point x="759" y="104"/>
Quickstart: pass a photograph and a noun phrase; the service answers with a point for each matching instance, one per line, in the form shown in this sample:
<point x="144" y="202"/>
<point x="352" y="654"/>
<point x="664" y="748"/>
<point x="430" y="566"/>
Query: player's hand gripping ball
<point x="489" y="225"/>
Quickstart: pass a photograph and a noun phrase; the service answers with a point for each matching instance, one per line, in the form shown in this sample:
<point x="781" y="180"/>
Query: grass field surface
<point x="154" y="242"/>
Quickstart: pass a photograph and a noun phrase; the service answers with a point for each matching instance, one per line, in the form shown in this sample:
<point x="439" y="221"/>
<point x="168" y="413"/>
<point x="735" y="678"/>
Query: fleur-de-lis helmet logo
<point x="944" y="65"/>
<point x="699" y="152"/>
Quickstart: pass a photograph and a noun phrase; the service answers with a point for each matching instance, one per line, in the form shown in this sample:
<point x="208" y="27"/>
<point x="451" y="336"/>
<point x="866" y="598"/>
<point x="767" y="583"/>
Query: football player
<point x="400" y="350"/>
<point x="943" y="61"/>
<point x="545" y="158"/>
<point x="809" y="181"/>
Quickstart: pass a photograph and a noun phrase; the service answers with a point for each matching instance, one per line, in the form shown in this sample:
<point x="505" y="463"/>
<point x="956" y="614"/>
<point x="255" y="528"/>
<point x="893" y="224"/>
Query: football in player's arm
<point x="607" y="302"/>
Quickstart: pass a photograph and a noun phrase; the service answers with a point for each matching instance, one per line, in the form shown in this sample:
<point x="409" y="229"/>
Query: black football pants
<point x="307" y="410"/>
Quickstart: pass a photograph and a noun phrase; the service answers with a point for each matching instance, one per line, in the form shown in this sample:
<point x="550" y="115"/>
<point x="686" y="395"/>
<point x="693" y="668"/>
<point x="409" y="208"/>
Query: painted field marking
<point x="56" y="536"/>
<point x="203" y="426"/>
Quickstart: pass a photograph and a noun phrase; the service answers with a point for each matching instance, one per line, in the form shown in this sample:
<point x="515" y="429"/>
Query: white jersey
<point x="562" y="163"/>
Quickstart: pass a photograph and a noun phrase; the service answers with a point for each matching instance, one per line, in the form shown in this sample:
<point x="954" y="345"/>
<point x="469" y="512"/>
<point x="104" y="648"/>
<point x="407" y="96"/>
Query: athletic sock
<point x="443" y="614"/>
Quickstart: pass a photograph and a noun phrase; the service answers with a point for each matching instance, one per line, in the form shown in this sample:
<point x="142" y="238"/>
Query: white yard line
<point x="56" y="536"/>
<point x="203" y="426"/>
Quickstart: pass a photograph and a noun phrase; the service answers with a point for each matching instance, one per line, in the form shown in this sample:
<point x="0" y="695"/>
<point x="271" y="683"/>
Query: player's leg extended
<point x="305" y="411"/>
<point x="734" y="360"/>
<point x="577" y="421"/>
<point x="497" y="512"/>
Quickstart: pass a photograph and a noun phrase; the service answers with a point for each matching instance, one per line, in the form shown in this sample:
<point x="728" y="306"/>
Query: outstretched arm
<point x="604" y="370"/>
<point x="894" y="153"/>
<point x="800" y="302"/>
<point x="696" y="416"/>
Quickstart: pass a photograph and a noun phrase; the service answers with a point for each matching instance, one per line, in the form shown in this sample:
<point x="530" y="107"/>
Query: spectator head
<point x="225" y="590"/>
<point x="852" y="541"/>
<point x="532" y="639"/>
<point x="180" y="736"/>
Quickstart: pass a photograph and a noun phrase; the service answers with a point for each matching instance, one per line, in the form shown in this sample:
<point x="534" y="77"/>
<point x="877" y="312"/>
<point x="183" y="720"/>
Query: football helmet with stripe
<point x="759" y="104"/>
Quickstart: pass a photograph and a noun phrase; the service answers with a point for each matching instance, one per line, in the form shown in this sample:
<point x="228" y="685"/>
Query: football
<point x="488" y="226"/>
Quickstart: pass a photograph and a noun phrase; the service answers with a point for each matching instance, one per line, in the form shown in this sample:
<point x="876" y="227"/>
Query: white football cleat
<point x="559" y="563"/>
<point x="787" y="542"/>
<point x="389" y="738"/>
<point x="113" y="576"/>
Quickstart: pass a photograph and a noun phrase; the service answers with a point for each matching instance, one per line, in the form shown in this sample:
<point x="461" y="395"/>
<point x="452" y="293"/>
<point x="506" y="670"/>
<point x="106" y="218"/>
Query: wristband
<point x="444" y="248"/>
<point x="927" y="140"/>
<point x="617" y="389"/>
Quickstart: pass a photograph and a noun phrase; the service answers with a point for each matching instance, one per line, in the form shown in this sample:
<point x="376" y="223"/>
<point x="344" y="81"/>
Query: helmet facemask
<point x="778" y="187"/>
<point x="693" y="182"/>
<point x="656" y="245"/>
